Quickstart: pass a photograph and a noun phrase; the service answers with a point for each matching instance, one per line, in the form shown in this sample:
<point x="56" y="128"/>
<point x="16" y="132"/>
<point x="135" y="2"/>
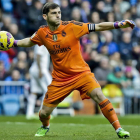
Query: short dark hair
<point x="48" y="6"/>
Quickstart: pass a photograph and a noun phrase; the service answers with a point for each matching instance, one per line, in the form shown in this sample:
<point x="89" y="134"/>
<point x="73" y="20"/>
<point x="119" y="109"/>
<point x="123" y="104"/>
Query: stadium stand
<point x="121" y="47"/>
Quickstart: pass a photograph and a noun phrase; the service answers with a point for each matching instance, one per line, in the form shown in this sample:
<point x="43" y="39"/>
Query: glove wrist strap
<point x="15" y="43"/>
<point x="116" y="25"/>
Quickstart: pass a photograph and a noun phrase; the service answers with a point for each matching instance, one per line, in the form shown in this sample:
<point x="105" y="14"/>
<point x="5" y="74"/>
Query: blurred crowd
<point x="113" y="56"/>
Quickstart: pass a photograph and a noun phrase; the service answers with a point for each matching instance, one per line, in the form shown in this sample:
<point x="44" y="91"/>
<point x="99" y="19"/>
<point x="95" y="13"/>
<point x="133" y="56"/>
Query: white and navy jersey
<point x="44" y="57"/>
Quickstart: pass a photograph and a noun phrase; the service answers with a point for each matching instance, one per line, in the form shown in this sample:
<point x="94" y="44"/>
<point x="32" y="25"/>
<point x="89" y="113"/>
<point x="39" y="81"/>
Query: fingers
<point x="122" y="23"/>
<point x="131" y="23"/>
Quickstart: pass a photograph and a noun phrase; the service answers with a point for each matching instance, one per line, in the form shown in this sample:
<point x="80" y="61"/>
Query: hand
<point x="126" y="23"/>
<point x="15" y="43"/>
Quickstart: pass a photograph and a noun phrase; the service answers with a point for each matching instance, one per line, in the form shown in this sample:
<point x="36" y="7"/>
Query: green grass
<point x="68" y="128"/>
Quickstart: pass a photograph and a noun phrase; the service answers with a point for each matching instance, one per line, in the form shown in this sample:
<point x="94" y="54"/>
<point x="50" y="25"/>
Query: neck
<point x="53" y="28"/>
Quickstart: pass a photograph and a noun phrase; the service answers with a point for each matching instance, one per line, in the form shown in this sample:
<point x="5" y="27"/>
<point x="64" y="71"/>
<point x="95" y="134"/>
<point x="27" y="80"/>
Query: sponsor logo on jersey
<point x="54" y="37"/>
<point x="60" y="50"/>
<point x="63" y="33"/>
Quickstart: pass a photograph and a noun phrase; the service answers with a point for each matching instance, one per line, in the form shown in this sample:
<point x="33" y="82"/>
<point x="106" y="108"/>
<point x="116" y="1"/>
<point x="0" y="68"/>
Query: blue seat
<point x="10" y="104"/>
<point x="7" y="5"/>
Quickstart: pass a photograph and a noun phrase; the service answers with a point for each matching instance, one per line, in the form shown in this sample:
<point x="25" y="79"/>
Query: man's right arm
<point x="111" y="25"/>
<point x="26" y="42"/>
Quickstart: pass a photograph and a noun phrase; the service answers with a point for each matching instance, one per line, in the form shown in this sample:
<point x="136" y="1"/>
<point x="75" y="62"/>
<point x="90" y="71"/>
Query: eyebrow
<point x="56" y="12"/>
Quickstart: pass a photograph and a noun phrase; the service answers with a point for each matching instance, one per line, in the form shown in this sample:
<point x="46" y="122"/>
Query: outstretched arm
<point x="104" y="26"/>
<point x="26" y="42"/>
<point x="111" y="25"/>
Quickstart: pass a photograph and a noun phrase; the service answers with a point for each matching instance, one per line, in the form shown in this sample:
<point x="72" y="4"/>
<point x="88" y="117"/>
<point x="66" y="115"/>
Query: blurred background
<point x="113" y="56"/>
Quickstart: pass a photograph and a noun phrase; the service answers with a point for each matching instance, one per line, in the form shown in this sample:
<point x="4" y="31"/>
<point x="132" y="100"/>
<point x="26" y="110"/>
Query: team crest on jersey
<point x="54" y="37"/>
<point x="63" y="33"/>
<point x="46" y="36"/>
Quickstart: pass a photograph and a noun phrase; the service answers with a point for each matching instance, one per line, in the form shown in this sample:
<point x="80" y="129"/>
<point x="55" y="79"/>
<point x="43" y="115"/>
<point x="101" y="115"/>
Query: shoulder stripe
<point x="65" y="23"/>
<point x="77" y="23"/>
<point x="43" y="26"/>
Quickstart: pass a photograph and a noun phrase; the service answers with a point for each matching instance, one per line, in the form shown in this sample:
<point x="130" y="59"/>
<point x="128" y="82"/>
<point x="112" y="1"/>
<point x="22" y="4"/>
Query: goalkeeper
<point x="61" y="38"/>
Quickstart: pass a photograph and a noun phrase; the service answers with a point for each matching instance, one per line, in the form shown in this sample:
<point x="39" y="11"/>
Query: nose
<point x="57" y="15"/>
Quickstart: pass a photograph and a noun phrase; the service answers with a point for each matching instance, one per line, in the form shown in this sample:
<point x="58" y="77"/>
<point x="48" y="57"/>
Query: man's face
<point x="129" y="74"/>
<point x="54" y="17"/>
<point x="104" y="64"/>
<point x="15" y="75"/>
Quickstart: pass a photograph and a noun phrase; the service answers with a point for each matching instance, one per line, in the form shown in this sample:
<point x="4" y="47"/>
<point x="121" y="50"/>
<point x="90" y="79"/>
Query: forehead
<point x="55" y="10"/>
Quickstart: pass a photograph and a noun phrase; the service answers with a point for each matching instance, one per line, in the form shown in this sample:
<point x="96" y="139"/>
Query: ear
<point x="45" y="16"/>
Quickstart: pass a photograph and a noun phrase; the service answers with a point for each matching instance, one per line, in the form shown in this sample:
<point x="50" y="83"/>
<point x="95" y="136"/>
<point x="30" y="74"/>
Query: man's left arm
<point x="111" y="25"/>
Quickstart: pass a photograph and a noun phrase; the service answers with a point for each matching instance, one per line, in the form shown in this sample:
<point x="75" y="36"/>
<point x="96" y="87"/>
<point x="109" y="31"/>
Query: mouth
<point x="58" y="20"/>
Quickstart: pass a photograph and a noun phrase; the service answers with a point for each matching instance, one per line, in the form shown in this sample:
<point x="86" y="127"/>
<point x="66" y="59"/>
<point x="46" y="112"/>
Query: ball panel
<point x="6" y="40"/>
